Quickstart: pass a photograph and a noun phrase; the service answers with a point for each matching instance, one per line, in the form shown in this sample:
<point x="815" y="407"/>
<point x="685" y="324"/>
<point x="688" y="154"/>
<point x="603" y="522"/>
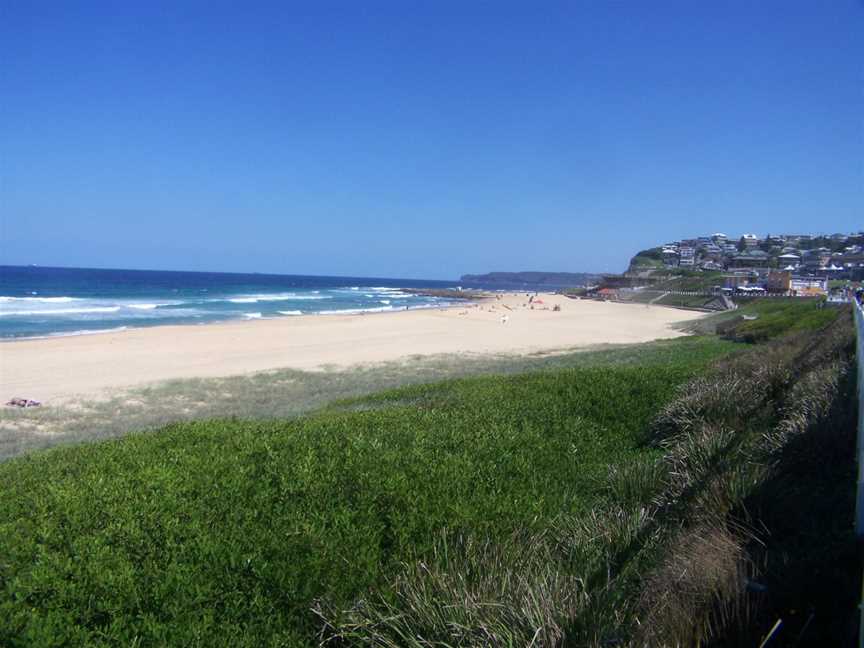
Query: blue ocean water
<point x="38" y="301"/>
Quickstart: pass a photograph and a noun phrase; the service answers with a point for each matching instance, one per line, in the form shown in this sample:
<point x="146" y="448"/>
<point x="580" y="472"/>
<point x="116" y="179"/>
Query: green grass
<point x="685" y="301"/>
<point x="278" y="394"/>
<point x="645" y="262"/>
<point x="691" y="281"/>
<point x="227" y="532"/>
<point x="660" y="297"/>
<point x="774" y="317"/>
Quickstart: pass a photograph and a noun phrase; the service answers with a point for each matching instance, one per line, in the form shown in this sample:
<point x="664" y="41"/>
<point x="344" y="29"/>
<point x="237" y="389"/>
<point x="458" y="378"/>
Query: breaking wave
<point x="60" y="311"/>
<point x="43" y="300"/>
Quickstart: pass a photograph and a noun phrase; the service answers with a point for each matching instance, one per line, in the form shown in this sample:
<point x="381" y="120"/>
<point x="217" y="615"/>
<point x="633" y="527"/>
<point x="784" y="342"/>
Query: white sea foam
<point x="70" y="333"/>
<point x="254" y="299"/>
<point x="149" y="306"/>
<point x="252" y="315"/>
<point x="45" y="300"/>
<point x="294" y="312"/>
<point x="298" y="297"/>
<point x="60" y="311"/>
<point x="357" y="311"/>
<point x="391" y="292"/>
<point x="116" y="329"/>
<point x="384" y="301"/>
<point x="161" y="313"/>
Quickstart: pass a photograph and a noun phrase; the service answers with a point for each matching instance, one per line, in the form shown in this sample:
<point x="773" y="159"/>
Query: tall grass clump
<point x="565" y="585"/>
<point x="743" y="485"/>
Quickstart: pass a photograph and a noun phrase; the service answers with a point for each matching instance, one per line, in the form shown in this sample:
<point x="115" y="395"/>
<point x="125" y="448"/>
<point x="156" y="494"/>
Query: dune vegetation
<point x="282" y="394"/>
<point x="761" y="319"/>
<point x="665" y="500"/>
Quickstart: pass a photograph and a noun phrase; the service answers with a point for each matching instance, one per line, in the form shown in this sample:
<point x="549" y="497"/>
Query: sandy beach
<point x="55" y="369"/>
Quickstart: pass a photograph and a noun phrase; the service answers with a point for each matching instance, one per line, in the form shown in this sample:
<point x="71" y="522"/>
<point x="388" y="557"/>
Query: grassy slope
<point x="774" y="317"/>
<point x="644" y="263"/>
<point x="224" y="532"/>
<point x="668" y="299"/>
<point x="695" y="282"/>
<point x="687" y="301"/>
<point x="748" y="445"/>
<point x="279" y="394"/>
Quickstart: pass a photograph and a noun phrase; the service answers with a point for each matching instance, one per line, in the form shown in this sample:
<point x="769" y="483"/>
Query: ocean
<point x="43" y="302"/>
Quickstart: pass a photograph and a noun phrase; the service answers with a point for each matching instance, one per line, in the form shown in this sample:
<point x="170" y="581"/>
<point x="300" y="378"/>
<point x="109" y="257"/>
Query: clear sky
<point x="421" y="139"/>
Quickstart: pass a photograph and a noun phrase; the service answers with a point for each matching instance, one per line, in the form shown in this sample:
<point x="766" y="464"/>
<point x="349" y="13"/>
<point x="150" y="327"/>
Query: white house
<point x="687" y="256"/>
<point x="750" y="240"/>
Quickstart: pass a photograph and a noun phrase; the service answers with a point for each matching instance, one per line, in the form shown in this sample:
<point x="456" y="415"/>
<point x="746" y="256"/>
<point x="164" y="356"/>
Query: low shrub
<point x="226" y="532"/>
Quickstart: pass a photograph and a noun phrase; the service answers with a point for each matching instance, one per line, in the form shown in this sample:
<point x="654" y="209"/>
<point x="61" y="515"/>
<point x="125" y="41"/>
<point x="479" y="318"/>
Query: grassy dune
<point x="278" y="395"/>
<point x="227" y="532"/>
<point x="672" y="495"/>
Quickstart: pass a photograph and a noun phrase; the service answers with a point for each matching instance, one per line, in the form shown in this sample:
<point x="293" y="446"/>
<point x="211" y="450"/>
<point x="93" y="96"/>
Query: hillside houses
<point x="834" y="256"/>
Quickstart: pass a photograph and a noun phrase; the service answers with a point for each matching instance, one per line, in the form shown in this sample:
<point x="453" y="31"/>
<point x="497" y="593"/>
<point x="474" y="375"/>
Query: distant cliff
<point x="532" y="279"/>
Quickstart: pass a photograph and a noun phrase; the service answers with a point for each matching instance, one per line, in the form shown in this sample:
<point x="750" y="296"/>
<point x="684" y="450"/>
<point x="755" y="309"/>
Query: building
<point x="750" y="240"/>
<point x="779" y="281"/>
<point x="738" y="280"/>
<point x="686" y="256"/>
<point x="808" y="286"/>
<point x="751" y="259"/>
<point x="789" y="259"/>
<point x="670" y="256"/>
<point x="816" y="259"/>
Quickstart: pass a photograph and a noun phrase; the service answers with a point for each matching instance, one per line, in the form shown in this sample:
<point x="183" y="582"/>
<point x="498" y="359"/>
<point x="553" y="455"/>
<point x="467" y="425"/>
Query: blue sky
<point x="421" y="139"/>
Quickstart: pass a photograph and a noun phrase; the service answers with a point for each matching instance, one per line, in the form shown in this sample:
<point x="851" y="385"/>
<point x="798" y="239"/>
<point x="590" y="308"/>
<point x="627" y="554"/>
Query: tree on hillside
<point x="652" y="253"/>
<point x="741" y="244"/>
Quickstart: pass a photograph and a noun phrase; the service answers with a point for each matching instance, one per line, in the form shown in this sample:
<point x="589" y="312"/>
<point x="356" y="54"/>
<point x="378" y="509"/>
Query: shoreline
<point x="59" y="368"/>
<point x="237" y="320"/>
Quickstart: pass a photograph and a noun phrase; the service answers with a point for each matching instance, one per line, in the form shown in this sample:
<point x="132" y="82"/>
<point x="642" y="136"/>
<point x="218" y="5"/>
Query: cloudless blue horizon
<point x="421" y="140"/>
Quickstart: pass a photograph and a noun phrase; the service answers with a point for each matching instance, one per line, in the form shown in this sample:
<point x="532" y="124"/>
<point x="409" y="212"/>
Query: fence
<point x="859" y="502"/>
<point x="709" y="293"/>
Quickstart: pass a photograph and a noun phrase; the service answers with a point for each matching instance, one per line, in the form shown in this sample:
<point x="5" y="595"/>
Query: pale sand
<point x="64" y="367"/>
